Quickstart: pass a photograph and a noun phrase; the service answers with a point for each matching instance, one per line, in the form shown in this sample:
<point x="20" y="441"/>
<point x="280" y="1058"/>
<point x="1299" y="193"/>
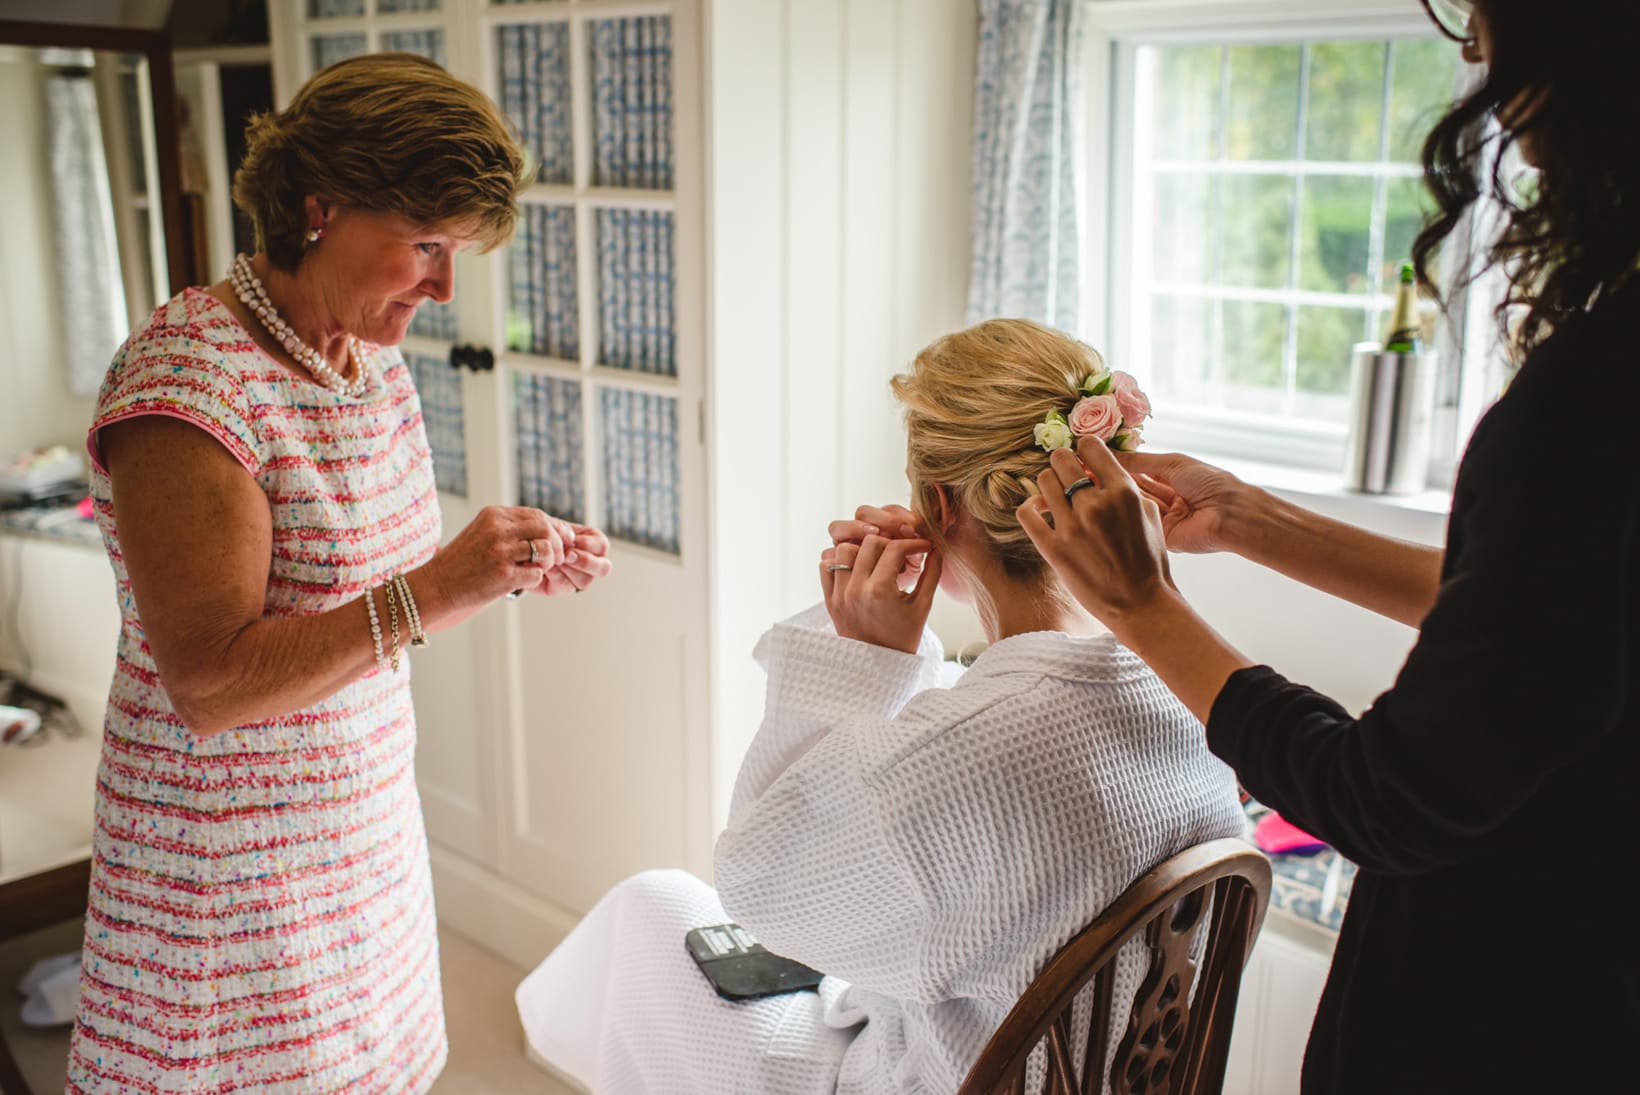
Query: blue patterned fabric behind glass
<point x="439" y="387"/>
<point x="542" y="317"/>
<point x="547" y="421"/>
<point x="428" y="43"/>
<point x="330" y="48"/>
<point x="434" y="320"/>
<point x="1029" y="115"/>
<point x="635" y="285"/>
<point x="641" y="467"/>
<point x="632" y="102"/>
<point x="335" y="9"/>
<point x="535" y="94"/>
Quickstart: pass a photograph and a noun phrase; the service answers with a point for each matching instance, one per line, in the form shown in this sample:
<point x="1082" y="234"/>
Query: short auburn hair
<point x="389" y="132"/>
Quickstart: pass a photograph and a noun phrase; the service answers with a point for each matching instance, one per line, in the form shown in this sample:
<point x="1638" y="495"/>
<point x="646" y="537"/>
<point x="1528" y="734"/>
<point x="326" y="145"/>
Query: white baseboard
<point x="498" y="915"/>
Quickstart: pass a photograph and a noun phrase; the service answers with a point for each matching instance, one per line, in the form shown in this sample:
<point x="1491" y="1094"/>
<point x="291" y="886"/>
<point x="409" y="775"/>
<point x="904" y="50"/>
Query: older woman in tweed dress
<point x="261" y="914"/>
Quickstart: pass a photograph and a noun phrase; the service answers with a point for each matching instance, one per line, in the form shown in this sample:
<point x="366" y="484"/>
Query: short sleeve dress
<point x="261" y="908"/>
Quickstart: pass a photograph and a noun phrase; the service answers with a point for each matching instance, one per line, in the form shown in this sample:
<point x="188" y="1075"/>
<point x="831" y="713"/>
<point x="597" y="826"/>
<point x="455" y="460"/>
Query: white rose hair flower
<point x="1112" y="408"/>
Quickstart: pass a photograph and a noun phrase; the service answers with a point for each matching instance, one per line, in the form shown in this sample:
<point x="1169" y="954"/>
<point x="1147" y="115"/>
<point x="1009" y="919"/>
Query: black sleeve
<point x="1520" y="670"/>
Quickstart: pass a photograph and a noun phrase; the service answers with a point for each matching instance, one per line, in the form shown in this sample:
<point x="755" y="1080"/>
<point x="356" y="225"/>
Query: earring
<point x="314" y="234"/>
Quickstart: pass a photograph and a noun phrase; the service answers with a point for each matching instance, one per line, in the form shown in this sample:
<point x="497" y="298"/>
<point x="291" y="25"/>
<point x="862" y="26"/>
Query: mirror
<point x="93" y="237"/>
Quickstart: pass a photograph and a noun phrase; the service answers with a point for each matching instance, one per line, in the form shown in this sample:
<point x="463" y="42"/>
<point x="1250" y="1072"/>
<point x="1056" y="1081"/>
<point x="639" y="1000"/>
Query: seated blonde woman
<point x="926" y="839"/>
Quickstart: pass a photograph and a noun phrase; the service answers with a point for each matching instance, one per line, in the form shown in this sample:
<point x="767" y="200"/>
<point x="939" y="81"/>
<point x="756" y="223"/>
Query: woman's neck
<point x="1009" y="606"/>
<point x="301" y="305"/>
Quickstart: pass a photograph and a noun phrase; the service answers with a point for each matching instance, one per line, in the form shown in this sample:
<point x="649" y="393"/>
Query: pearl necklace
<point x="248" y="287"/>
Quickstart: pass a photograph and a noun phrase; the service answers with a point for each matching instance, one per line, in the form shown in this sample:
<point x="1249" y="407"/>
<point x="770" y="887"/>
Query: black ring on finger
<point x="1076" y="486"/>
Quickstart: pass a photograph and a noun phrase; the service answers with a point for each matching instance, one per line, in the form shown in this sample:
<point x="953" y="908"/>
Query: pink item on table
<point x="1276" y="835"/>
<point x="84" y="508"/>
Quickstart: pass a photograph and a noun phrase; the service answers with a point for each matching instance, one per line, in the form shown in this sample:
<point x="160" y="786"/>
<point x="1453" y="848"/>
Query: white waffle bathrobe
<point x="927" y="847"/>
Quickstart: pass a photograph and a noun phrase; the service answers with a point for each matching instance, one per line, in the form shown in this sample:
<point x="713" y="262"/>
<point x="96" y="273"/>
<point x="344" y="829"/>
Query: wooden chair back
<point x="1174" y="1041"/>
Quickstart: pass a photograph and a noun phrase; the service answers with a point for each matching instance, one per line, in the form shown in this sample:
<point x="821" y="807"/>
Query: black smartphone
<point x="741" y="968"/>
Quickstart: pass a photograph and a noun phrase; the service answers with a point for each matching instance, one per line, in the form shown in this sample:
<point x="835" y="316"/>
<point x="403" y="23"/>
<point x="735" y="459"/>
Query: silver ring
<point x="1076" y="486"/>
<point x="534" y="553"/>
<point x="833" y="567"/>
<point x="515" y="594"/>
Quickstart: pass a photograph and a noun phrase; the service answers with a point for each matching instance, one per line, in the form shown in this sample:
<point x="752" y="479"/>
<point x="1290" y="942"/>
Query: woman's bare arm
<point x="197" y="539"/>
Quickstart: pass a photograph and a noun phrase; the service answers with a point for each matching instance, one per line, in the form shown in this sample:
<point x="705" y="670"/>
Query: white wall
<point x="838" y="186"/>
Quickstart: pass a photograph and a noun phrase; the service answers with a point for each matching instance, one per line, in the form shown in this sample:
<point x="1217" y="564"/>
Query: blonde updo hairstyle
<point x="972" y="401"/>
<point x="390" y="132"/>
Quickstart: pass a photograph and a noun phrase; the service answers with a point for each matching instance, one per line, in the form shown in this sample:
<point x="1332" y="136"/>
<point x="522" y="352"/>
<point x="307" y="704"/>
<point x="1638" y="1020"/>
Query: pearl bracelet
<point x="412" y="614"/>
<point x="375" y="626"/>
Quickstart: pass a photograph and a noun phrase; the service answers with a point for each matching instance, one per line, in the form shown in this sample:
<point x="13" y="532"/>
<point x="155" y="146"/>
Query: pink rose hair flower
<point x="1134" y="403"/>
<point x="1096" y="416"/>
<point x="1112" y="408"/>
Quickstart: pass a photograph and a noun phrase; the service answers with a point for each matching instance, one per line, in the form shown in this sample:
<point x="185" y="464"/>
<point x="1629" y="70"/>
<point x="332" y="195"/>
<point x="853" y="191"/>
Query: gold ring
<point x="534" y="553"/>
<point x="838" y="566"/>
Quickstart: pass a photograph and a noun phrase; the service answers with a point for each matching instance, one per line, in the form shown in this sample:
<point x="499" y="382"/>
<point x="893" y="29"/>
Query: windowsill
<point x="1303" y="485"/>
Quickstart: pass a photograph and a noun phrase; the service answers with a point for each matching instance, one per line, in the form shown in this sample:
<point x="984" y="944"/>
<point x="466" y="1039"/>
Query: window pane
<point x="1262" y="116"/>
<point x="1187" y="103"/>
<point x="1181" y="328"/>
<point x="1346" y="100"/>
<point x="1325" y="336"/>
<point x="1336" y="235"/>
<point x="1183" y="228"/>
<point x="1257" y="227"/>
<point x="1254" y="335"/>
<point x="1424" y="73"/>
<point x="1408" y="204"/>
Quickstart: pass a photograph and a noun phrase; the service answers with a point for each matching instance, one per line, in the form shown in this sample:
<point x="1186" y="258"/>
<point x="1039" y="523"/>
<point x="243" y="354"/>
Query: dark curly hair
<point x="1576" y="230"/>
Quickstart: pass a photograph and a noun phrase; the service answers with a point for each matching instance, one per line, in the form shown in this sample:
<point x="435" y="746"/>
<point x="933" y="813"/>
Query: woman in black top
<point x="1489" y="796"/>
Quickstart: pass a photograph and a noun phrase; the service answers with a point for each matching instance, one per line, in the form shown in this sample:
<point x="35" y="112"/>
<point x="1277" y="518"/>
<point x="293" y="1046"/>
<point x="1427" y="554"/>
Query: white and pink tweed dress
<point x="261" y="907"/>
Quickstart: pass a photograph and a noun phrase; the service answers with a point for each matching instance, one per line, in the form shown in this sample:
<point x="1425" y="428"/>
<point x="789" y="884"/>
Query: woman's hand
<point x="1197" y="500"/>
<point x="502" y="549"/>
<point x="1106" y="539"/>
<point x="585" y="561"/>
<point x="861" y="583"/>
<point x="891" y="522"/>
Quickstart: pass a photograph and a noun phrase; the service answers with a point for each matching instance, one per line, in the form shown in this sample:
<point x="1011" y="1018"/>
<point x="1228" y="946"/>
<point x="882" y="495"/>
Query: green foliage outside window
<point x="1285" y="192"/>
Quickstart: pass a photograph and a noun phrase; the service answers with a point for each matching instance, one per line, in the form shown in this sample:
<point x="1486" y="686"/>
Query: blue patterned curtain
<point x="335" y="9"/>
<point x="434" y="320"/>
<point x="1028" y="126"/>
<point x="330" y="48"/>
<point x="547" y="420"/>
<point x="542" y="318"/>
<point x="641" y="468"/>
<point x="632" y="102"/>
<point x="439" y="388"/>
<point x="535" y="94"/>
<point x="635" y="291"/>
<point x="428" y="43"/>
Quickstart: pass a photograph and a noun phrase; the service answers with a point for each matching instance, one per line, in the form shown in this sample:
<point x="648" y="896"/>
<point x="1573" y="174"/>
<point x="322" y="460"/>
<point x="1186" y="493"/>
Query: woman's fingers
<point x="928" y="582"/>
<point x="836" y="565"/>
<point x="892" y="522"/>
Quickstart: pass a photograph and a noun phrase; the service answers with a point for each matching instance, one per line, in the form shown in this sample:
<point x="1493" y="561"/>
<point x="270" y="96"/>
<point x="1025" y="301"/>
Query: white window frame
<point x="1115" y="30"/>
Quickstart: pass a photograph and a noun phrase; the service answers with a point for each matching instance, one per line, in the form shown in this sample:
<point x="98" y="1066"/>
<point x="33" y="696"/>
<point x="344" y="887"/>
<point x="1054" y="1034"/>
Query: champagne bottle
<point x="1406" y="335"/>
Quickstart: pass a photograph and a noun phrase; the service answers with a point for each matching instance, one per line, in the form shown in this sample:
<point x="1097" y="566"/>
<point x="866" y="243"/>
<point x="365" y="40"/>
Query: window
<point x="1265" y="187"/>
